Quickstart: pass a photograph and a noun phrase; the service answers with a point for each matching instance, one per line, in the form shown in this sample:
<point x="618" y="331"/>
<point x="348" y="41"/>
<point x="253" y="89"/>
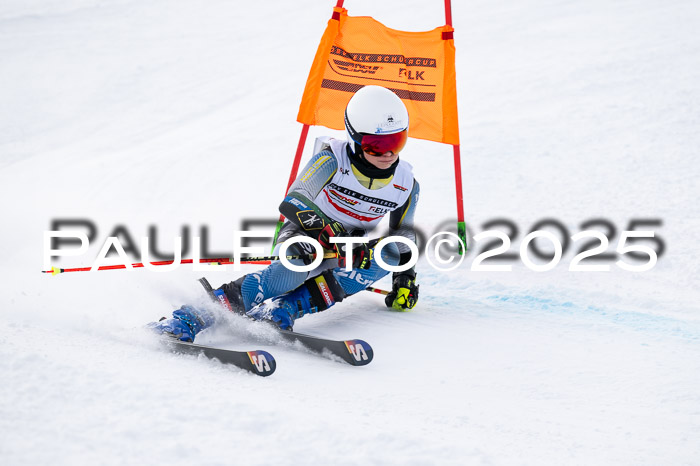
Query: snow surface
<point x="177" y="113"/>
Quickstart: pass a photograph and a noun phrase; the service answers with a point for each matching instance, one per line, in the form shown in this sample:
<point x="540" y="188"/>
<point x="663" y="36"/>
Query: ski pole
<point x="377" y="290"/>
<point x="262" y="260"/>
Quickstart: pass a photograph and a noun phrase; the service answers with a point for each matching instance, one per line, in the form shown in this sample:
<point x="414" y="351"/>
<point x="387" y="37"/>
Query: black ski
<point x="258" y="362"/>
<point x="355" y="352"/>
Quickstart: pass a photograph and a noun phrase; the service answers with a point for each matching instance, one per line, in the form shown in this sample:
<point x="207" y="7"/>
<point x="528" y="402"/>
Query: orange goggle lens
<point x="378" y="144"/>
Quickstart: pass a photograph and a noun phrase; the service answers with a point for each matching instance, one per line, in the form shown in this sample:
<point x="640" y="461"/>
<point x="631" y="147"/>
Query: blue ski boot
<point x="279" y="310"/>
<point x="186" y="323"/>
<point x="315" y="295"/>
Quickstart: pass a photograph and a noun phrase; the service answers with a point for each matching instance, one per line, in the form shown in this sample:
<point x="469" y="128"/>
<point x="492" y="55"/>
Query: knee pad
<point x="325" y="290"/>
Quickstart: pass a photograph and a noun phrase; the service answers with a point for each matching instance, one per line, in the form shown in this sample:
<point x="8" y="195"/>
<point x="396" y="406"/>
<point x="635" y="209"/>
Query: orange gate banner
<point x="357" y="51"/>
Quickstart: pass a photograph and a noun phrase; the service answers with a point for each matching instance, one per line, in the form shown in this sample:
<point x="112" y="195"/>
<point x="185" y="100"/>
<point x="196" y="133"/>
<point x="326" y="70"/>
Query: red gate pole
<point x="292" y="176"/>
<point x="297" y="156"/>
<point x="461" y="228"/>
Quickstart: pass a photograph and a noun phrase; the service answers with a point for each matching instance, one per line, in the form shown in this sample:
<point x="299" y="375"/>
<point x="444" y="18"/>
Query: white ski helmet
<point x="376" y="121"/>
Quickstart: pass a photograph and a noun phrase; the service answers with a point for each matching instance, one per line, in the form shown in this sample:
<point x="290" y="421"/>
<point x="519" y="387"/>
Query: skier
<point x="344" y="190"/>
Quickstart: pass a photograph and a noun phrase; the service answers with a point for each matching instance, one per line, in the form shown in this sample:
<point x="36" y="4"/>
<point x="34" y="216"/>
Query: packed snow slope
<point x="182" y="114"/>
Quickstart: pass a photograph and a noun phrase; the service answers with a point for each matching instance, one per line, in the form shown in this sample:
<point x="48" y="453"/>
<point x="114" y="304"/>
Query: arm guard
<point x="298" y="206"/>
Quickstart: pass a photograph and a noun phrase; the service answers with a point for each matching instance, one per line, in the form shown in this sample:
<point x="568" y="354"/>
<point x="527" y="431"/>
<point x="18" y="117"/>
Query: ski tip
<point x="262" y="363"/>
<point x="360" y="353"/>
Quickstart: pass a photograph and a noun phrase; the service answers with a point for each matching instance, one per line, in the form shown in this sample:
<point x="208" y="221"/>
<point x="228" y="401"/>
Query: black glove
<point x="404" y="293"/>
<point x="361" y="254"/>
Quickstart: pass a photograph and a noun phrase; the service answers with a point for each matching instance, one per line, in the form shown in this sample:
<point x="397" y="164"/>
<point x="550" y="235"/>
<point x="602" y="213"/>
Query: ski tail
<point x="354" y="352"/>
<point x="258" y="362"/>
<point x="207" y="287"/>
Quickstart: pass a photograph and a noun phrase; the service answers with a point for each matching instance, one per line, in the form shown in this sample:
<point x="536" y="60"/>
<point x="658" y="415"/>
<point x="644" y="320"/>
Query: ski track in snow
<point x="183" y="115"/>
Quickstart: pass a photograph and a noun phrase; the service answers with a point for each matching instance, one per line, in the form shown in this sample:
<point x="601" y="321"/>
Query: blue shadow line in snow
<point x="635" y="320"/>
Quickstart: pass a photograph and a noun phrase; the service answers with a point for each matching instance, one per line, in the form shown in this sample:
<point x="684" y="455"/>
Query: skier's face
<point x="382" y="161"/>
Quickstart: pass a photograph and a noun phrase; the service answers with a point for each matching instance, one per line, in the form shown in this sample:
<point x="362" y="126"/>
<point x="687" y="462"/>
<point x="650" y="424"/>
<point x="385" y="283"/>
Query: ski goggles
<point x="378" y="144"/>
